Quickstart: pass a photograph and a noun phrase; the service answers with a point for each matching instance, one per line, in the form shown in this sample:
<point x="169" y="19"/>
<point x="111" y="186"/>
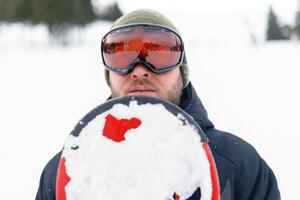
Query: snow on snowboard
<point x="136" y="148"/>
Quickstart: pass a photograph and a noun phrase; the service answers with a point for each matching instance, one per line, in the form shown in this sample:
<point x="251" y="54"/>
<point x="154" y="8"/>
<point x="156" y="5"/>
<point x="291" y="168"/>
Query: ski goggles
<point x="156" y="47"/>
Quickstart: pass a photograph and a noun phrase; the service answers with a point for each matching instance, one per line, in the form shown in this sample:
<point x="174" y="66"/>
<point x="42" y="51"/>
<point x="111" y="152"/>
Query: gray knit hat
<point x="146" y="16"/>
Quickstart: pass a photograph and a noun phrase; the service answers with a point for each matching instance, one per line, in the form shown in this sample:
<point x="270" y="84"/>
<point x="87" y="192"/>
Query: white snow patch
<point x="156" y="159"/>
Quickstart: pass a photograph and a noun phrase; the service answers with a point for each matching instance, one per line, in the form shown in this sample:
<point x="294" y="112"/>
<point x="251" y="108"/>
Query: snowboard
<point x="136" y="148"/>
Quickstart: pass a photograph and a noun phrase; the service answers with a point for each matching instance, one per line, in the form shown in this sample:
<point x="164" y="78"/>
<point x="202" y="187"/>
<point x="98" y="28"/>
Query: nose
<point x="140" y="71"/>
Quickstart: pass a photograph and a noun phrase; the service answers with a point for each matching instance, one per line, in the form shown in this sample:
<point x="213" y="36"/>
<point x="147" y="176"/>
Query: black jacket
<point x="243" y="174"/>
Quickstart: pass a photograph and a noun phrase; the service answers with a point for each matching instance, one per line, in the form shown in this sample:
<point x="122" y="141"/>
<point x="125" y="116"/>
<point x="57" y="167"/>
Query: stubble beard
<point x="171" y="94"/>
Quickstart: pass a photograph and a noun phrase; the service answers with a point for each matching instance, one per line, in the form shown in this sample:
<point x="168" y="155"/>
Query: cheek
<point x="117" y="83"/>
<point x="117" y="80"/>
<point x="171" y="78"/>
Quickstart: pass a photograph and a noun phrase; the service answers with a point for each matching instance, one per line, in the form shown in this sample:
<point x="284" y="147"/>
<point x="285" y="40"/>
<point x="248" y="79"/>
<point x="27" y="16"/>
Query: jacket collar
<point x="191" y="104"/>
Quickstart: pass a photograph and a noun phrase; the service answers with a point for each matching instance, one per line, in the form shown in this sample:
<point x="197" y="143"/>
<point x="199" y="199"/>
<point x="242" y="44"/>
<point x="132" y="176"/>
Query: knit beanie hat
<point x="147" y="16"/>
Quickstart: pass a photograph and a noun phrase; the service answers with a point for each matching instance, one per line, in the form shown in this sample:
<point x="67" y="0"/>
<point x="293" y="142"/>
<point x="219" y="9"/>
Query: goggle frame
<point x="138" y="60"/>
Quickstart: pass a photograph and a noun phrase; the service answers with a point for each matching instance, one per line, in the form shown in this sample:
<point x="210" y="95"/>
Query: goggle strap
<point x="184" y="58"/>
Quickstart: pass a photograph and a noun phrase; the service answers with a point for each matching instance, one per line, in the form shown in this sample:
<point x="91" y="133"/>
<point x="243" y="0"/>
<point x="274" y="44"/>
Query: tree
<point x="274" y="30"/>
<point x="297" y="21"/>
<point x="14" y="10"/>
<point x="58" y="15"/>
<point x="111" y="12"/>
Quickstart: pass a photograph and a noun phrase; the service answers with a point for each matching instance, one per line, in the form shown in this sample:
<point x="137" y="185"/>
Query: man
<point x="144" y="55"/>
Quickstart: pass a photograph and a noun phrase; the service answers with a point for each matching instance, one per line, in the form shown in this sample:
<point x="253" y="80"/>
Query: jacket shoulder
<point x="232" y="147"/>
<point x="46" y="190"/>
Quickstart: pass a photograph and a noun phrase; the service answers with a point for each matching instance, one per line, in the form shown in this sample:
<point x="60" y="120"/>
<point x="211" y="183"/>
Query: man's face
<point x="143" y="82"/>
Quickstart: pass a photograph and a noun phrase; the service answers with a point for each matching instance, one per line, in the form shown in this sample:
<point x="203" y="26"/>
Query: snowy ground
<point x="249" y="87"/>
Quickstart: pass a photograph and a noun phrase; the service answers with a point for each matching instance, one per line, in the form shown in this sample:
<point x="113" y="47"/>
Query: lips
<point x="140" y="89"/>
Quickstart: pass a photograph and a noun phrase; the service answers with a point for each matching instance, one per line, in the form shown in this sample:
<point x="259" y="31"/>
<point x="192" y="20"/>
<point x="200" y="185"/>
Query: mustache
<point x="143" y="82"/>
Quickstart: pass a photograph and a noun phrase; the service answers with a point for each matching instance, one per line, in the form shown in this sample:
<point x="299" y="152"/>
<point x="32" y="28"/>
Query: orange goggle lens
<point x="156" y="46"/>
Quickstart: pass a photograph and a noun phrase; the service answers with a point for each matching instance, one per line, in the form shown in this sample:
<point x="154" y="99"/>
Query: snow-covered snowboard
<point x="136" y="148"/>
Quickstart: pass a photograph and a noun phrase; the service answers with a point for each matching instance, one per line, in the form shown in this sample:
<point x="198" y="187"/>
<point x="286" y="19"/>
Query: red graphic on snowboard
<point x="115" y="129"/>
